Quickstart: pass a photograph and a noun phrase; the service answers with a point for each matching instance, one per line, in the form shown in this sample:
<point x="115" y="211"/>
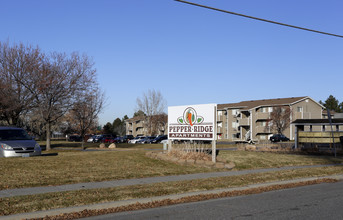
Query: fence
<point x="319" y="137"/>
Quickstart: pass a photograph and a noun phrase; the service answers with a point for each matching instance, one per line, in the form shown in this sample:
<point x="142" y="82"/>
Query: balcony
<point x="263" y="130"/>
<point x="262" y="116"/>
<point x="140" y="124"/>
<point x="244" y="122"/>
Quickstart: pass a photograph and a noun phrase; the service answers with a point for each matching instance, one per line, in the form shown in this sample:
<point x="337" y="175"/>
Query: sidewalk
<point x="128" y="182"/>
<point x="108" y="184"/>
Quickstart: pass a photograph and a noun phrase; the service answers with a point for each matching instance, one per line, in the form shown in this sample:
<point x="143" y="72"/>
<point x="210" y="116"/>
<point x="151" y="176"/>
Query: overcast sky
<point x="191" y="55"/>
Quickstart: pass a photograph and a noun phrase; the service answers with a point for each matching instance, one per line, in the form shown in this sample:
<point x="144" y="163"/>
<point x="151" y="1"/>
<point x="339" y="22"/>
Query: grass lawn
<point x="85" y="166"/>
<point x="62" y="145"/>
<point x="47" y="201"/>
<point x="76" y="166"/>
<point x="72" y="165"/>
<point x="257" y="160"/>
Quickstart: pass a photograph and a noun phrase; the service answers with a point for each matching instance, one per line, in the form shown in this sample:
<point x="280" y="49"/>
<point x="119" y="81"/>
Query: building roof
<point x="324" y="121"/>
<point x="142" y="117"/>
<point x="136" y="118"/>
<point x="325" y="112"/>
<point x="246" y="105"/>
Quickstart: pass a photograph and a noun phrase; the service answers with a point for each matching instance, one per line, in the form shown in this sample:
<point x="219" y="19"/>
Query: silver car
<point x="15" y="142"/>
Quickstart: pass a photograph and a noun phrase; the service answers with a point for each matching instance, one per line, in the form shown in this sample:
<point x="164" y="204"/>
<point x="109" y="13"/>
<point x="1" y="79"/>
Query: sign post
<point x="193" y="122"/>
<point x="214" y="141"/>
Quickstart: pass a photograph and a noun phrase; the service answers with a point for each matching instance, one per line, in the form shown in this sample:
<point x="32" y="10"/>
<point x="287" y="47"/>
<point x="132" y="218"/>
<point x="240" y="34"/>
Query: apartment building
<point x="248" y="120"/>
<point x="135" y="126"/>
<point x="139" y="126"/>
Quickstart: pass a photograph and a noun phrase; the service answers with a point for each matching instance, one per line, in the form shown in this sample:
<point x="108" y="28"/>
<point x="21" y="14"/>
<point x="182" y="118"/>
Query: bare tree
<point x="280" y="118"/>
<point x="58" y="83"/>
<point x="17" y="63"/>
<point x="151" y="103"/>
<point x="85" y="112"/>
<point x="39" y="89"/>
<point x="159" y="125"/>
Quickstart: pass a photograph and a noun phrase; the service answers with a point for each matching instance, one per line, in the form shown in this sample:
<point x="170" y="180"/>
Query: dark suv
<point x="278" y="138"/>
<point x="75" y="138"/>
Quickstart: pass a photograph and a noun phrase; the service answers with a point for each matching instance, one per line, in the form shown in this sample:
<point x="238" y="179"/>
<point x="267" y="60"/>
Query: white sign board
<point x="192" y="122"/>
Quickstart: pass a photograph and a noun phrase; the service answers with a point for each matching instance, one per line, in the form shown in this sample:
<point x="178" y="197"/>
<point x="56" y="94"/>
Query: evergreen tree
<point x="139" y="113"/>
<point x="333" y="104"/>
<point x="108" y="129"/>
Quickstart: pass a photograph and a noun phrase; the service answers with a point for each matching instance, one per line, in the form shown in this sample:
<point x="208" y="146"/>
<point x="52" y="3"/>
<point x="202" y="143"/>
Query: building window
<point x="234" y="111"/>
<point x="299" y="109"/>
<point x="234" y="124"/>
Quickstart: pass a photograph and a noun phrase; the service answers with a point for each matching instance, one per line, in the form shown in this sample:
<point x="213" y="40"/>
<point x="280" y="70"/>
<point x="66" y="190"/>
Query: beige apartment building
<point x="138" y="126"/>
<point x="248" y="120"/>
<point x="135" y="126"/>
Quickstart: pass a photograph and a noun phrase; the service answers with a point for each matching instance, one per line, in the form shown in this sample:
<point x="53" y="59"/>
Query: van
<point x="15" y="142"/>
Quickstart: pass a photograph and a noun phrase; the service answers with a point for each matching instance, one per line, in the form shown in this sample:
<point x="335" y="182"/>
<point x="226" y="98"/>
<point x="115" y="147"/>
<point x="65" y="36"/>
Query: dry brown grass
<point x="187" y="199"/>
<point x="257" y="160"/>
<point x="191" y="152"/>
<point x="47" y="201"/>
<point x="85" y="166"/>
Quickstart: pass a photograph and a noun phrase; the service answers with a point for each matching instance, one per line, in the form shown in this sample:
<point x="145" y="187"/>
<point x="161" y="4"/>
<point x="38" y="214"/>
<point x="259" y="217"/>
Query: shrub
<point x="191" y="151"/>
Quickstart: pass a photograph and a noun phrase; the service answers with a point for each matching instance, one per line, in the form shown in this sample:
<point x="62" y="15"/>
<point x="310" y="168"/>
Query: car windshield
<point x="12" y="134"/>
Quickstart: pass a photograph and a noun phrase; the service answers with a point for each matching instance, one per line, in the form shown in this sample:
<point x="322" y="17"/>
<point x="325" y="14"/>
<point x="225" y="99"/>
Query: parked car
<point x="126" y="138"/>
<point x="160" y="138"/>
<point x="107" y="138"/>
<point x="118" y="140"/>
<point x="278" y="138"/>
<point x="75" y="138"/>
<point x="15" y="142"/>
<point x="97" y="138"/>
<point x="133" y="141"/>
<point x="91" y="139"/>
<point x="146" y="140"/>
<point x="104" y="138"/>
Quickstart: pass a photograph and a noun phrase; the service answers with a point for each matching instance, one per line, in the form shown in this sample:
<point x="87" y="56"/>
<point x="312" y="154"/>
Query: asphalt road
<point x="322" y="201"/>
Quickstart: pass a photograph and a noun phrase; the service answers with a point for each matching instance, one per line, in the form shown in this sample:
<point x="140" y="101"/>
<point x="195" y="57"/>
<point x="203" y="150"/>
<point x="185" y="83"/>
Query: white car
<point x="133" y="141"/>
<point x="91" y="139"/>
